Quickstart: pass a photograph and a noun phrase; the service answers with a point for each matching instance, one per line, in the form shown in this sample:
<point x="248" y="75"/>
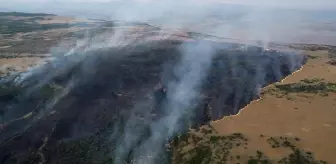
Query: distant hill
<point x="5" y="10"/>
<point x="14" y="22"/>
<point x="23" y="14"/>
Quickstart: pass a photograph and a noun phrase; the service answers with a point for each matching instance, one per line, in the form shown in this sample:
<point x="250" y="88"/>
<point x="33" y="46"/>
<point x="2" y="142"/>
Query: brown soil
<point x="18" y="64"/>
<point x="62" y="19"/>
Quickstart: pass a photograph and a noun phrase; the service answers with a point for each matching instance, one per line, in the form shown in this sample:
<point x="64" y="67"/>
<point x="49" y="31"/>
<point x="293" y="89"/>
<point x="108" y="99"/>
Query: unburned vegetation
<point x="305" y="86"/>
<point x="204" y="148"/>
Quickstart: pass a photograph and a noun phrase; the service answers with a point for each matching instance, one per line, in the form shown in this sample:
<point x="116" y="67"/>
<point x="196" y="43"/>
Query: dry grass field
<point x="293" y="122"/>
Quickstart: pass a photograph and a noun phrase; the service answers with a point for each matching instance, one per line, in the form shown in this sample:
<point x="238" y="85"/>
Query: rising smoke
<point x="139" y="138"/>
<point x="182" y="97"/>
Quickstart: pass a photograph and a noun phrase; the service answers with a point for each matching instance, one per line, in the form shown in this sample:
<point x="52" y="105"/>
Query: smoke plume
<point x="94" y="62"/>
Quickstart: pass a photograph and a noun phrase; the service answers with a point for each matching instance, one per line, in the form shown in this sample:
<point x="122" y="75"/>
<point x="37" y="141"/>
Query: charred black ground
<point x="104" y="87"/>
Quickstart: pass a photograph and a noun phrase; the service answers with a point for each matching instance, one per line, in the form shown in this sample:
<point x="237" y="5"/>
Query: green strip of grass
<point x="310" y="86"/>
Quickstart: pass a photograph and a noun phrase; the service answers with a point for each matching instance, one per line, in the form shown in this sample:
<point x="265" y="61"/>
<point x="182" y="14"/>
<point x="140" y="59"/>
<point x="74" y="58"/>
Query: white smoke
<point x="182" y="94"/>
<point x="182" y="97"/>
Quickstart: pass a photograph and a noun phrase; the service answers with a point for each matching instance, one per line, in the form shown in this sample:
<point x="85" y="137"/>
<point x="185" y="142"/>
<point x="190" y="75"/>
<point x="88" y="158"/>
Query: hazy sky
<point x="301" y="4"/>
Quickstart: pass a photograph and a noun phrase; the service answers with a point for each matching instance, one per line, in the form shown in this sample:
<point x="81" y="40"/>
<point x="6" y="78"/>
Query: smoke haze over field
<point x="102" y="79"/>
<point x="311" y="21"/>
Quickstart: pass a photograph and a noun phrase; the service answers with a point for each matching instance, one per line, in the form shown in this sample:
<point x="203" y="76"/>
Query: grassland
<point x="206" y="146"/>
<point x="292" y="123"/>
<point x="27" y="38"/>
<point x="11" y="25"/>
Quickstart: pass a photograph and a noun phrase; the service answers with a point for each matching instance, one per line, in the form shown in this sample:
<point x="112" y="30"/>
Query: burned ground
<point x="73" y="109"/>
